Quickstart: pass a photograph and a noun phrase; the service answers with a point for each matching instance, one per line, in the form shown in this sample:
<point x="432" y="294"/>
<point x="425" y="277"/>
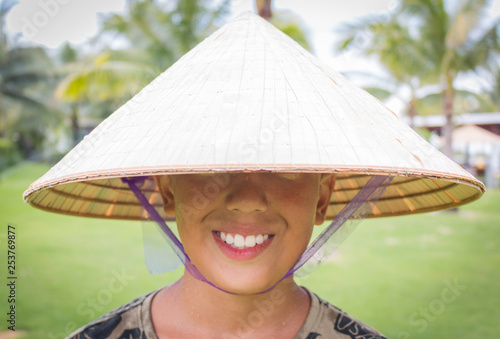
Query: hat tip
<point x="246" y="14"/>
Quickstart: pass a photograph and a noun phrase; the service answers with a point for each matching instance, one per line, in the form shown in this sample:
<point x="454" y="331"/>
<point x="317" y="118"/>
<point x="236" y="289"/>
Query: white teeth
<point x="250" y="241"/>
<point x="240" y="242"/>
<point x="259" y="239"/>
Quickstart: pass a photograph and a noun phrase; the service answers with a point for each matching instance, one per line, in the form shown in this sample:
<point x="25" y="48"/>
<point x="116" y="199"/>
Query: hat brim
<point x="104" y="195"/>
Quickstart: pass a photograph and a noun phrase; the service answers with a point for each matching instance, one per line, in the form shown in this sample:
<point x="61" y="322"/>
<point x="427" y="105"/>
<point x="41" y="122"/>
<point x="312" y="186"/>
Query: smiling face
<point x="244" y="231"/>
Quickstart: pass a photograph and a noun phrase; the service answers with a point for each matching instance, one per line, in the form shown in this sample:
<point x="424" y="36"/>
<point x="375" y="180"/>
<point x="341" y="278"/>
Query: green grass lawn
<point x="425" y="276"/>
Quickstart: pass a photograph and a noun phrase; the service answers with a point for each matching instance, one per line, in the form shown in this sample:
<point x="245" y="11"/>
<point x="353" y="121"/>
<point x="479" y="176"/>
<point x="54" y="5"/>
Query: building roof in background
<point x="472" y="133"/>
<point x="461" y="120"/>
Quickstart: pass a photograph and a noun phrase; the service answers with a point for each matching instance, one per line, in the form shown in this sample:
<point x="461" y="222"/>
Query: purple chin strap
<point x="322" y="247"/>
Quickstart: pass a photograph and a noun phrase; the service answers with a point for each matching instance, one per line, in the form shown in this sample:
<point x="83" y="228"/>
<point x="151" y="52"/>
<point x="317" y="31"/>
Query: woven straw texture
<point x="248" y="98"/>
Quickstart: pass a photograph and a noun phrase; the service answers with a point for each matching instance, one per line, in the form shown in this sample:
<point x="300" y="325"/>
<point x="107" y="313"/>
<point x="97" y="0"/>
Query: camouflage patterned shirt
<point x="133" y="321"/>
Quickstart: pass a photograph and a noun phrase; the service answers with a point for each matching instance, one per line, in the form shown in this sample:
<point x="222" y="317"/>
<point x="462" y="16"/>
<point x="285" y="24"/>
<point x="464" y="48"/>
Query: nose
<point x="246" y="194"/>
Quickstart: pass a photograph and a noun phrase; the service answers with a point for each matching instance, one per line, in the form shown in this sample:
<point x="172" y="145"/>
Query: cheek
<point x="301" y="206"/>
<point x="189" y="208"/>
<point x="190" y="237"/>
<point x="186" y="218"/>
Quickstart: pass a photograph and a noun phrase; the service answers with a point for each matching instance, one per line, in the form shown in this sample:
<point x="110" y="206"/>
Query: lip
<point x="243" y="254"/>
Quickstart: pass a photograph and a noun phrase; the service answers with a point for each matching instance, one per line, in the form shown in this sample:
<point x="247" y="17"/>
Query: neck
<point x="282" y="309"/>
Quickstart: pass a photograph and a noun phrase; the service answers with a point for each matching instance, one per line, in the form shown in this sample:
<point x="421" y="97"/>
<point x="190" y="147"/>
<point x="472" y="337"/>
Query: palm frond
<point x="484" y="50"/>
<point x="463" y="22"/>
<point x="28" y="103"/>
<point x="104" y="79"/>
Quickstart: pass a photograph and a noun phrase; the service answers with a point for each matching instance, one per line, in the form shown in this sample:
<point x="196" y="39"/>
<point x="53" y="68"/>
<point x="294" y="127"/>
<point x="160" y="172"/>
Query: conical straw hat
<point x="249" y="98"/>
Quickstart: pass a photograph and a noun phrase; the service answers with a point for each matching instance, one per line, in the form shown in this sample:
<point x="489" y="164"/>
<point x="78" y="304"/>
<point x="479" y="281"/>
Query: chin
<point x="248" y="289"/>
<point x="245" y="284"/>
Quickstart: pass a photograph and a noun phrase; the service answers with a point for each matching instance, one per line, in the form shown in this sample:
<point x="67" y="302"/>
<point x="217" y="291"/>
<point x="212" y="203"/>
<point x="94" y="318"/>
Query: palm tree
<point x="457" y="43"/>
<point x="489" y="101"/>
<point x="400" y="53"/>
<point x="24" y="75"/>
<point x="441" y="42"/>
<point x="264" y="9"/>
<point x="154" y="36"/>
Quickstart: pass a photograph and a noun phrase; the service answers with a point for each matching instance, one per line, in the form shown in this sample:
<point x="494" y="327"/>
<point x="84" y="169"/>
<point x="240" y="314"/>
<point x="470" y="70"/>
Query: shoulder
<point x="130" y="320"/>
<point x="328" y="321"/>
